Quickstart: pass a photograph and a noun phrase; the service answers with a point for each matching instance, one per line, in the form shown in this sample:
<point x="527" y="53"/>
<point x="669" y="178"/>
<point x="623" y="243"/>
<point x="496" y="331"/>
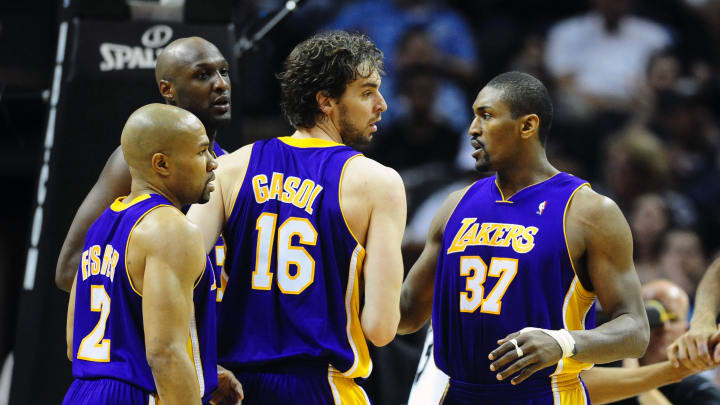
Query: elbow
<point x="69" y="352"/>
<point x="381" y="330"/>
<point x="642" y="337"/>
<point x="161" y="356"/>
<point x="63" y="280"/>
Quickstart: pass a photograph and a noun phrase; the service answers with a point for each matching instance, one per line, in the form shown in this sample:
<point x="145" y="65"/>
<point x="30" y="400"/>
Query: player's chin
<point x="482" y="165"/>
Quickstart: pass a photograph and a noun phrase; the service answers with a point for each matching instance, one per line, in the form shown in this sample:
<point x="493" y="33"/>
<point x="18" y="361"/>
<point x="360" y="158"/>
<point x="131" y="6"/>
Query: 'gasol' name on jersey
<point x="471" y="233"/>
<point x="91" y="265"/>
<point x="301" y="193"/>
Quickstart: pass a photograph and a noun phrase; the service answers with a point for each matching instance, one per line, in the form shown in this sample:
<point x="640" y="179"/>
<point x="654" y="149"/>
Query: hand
<point x="229" y="390"/>
<point x="539" y="350"/>
<point x="692" y="349"/>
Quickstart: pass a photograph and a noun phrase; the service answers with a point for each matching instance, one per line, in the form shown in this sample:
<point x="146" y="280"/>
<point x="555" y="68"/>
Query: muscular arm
<point x="114" y="181"/>
<point x="174" y="258"/>
<point x="598" y="237"/>
<point x="69" y="325"/>
<point x="383" y="265"/>
<point x="210" y="217"/>
<point x="610" y="384"/>
<point x="694" y="348"/>
<point x="608" y="252"/>
<point x="417" y="290"/>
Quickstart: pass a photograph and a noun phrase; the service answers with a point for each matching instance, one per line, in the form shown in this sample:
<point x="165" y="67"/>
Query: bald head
<point x="182" y="52"/>
<point x="671" y="296"/>
<point x="156" y="128"/>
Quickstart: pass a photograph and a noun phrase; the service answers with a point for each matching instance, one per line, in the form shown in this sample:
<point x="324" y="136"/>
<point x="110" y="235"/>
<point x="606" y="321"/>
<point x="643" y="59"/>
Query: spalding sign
<point x="121" y="57"/>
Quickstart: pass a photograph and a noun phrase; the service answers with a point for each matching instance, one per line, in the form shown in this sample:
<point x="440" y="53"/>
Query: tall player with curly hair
<point x="311" y="227"/>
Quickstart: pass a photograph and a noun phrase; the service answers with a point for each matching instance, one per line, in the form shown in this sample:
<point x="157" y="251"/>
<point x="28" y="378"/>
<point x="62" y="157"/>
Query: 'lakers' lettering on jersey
<point x="293" y="264"/>
<point x="505" y="265"/>
<point x="108" y="336"/>
<point x="472" y="233"/>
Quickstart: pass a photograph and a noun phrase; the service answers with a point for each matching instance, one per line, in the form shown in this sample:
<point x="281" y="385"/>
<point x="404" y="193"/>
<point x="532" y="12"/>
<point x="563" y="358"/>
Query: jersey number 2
<point x="287" y="254"/>
<point x="93" y="347"/>
<point x="472" y="297"/>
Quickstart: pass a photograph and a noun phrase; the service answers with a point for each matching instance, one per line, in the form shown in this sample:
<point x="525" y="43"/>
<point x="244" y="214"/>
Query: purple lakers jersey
<point x="108" y="337"/>
<point x="293" y="264"/>
<point x="505" y="265"/>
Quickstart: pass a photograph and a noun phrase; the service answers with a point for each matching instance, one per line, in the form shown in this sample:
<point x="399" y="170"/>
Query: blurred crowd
<point x="635" y="87"/>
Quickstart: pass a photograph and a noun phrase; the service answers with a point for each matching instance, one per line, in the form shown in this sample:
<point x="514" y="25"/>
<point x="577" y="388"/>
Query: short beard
<point x="349" y="134"/>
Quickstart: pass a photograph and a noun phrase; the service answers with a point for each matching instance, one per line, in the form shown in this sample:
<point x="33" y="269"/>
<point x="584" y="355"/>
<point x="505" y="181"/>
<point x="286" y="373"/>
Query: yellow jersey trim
<point x="127" y="270"/>
<point x="308" y="142"/>
<point x="362" y="363"/>
<point x="118" y="205"/>
<point x="342" y="174"/>
<point x="567" y="246"/>
<point x="507" y="200"/>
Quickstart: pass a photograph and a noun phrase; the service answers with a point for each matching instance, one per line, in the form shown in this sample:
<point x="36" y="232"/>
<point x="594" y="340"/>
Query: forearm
<point x="707" y="299"/>
<point x="414" y="313"/>
<point x="175" y="376"/>
<point x="69" y="259"/>
<point x="625" y="336"/>
<point x="610" y="384"/>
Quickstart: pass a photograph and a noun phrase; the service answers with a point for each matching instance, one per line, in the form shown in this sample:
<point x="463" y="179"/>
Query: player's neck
<point x="524" y="173"/>
<point x="140" y="187"/>
<point x="323" y="130"/>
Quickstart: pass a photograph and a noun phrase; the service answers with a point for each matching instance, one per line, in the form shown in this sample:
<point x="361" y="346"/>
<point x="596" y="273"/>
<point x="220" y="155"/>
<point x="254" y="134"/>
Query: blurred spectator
<point x="418" y="32"/>
<point x="598" y="58"/>
<point x="423" y="136"/>
<point x="673" y="305"/>
<point x="649" y="219"/>
<point x="682" y="259"/>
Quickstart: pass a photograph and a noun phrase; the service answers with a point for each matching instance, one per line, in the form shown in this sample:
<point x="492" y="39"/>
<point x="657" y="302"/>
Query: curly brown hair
<point x="326" y="62"/>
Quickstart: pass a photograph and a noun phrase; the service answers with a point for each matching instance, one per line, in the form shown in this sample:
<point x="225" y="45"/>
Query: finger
<point x="508" y="357"/>
<point x="525" y="373"/>
<point x="703" y="353"/>
<point x="672" y="355"/>
<point x="504" y="347"/>
<point x="515" y="367"/>
<point x="508" y="337"/>
<point x="682" y="356"/>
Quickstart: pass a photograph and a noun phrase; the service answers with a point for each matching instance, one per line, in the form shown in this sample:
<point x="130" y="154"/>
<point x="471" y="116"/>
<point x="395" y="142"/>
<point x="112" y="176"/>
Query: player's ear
<point x="167" y="90"/>
<point x="530" y="126"/>
<point x="160" y="164"/>
<point x="325" y="102"/>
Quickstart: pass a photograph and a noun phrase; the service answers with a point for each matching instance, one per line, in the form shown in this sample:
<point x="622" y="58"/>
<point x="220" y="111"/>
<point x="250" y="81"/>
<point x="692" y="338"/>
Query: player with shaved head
<point x="141" y="318"/>
<point x="192" y="74"/>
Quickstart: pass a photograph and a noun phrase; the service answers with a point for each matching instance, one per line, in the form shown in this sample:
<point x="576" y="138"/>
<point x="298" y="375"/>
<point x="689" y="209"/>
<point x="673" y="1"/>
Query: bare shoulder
<point x="237" y="160"/>
<point x="437" y="227"/>
<point x="166" y="229"/>
<point x="594" y="212"/>
<point x="369" y="176"/>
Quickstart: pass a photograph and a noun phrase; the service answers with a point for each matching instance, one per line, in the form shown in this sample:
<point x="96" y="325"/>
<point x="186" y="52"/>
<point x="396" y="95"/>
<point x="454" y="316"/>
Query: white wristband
<point x="561" y="336"/>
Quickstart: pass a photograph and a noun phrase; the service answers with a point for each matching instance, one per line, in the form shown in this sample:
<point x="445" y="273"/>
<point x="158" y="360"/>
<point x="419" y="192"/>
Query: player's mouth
<point x="479" y="147"/>
<point x="373" y="126"/>
<point x="210" y="185"/>
<point x="221" y="104"/>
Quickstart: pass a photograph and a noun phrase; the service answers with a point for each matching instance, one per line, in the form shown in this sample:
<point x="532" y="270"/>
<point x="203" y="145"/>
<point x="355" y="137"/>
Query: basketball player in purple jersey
<point x="192" y="74"/>
<point x="527" y="247"/>
<point x="313" y="231"/>
<point x="141" y="318"/>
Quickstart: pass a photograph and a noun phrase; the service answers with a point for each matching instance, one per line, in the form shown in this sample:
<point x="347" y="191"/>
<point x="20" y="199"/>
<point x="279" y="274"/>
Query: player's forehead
<point x="489" y="98"/>
<point x="366" y="78"/>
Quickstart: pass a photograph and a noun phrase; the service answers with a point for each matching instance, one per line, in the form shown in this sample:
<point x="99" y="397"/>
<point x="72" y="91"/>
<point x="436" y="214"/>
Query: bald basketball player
<point x="192" y="74"/>
<point x="141" y="318"/>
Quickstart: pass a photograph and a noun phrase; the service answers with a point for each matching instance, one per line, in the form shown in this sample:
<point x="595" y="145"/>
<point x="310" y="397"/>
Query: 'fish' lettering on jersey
<point x="92" y="266"/>
<point x="472" y="233"/>
<point x="301" y="193"/>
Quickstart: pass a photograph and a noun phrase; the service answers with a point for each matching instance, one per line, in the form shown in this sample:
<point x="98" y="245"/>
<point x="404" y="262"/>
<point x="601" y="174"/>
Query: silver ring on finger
<point x="518" y="350"/>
